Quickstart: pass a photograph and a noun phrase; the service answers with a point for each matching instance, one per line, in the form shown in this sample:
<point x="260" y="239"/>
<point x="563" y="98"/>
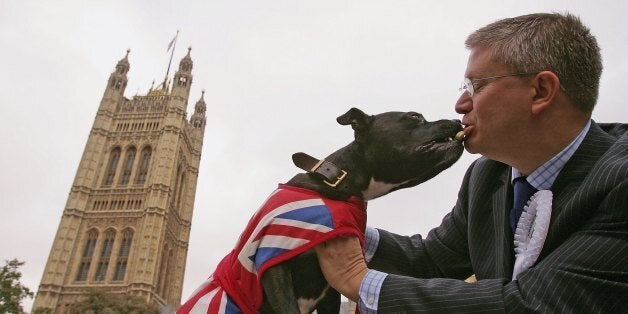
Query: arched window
<point x="105" y="254"/>
<point x="180" y="191"/>
<point x="142" y="172"/>
<point x="88" y="252"/>
<point x="176" y="188"/>
<point x="167" y="260"/>
<point x="128" y="166"/>
<point x="112" y="165"/>
<point x="123" y="255"/>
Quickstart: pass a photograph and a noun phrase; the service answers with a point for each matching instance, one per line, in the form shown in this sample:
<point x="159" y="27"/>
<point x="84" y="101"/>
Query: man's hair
<point x="547" y="41"/>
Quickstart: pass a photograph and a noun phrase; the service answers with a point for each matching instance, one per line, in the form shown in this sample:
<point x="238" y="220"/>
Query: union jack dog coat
<point x="290" y="222"/>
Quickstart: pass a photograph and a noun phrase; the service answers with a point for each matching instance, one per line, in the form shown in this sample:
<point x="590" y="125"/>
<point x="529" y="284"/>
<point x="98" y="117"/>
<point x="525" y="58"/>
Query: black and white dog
<point x="391" y="151"/>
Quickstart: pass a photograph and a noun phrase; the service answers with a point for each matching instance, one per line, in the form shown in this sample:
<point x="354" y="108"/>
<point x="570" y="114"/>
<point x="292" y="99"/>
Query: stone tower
<point x="126" y="224"/>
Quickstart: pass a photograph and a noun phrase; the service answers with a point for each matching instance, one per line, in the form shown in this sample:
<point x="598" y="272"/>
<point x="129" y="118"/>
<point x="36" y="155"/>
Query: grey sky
<point x="276" y="75"/>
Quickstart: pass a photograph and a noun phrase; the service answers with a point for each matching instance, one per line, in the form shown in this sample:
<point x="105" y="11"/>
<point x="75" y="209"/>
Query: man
<point x="531" y="85"/>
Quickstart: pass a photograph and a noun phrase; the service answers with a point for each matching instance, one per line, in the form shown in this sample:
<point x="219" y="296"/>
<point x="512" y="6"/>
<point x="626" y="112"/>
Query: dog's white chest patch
<point x="378" y="188"/>
<point x="308" y="305"/>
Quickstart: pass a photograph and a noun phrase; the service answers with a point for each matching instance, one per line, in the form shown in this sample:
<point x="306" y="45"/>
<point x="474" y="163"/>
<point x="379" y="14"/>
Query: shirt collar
<point x="544" y="176"/>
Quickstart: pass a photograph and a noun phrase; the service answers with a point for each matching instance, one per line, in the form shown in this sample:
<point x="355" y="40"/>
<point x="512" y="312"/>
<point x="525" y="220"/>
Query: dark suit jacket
<point x="583" y="267"/>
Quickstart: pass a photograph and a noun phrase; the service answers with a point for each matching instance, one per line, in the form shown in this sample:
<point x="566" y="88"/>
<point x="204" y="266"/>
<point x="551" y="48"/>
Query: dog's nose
<point x="457" y="121"/>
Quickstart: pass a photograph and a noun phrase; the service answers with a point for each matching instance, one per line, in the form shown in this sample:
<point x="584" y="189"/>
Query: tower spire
<point x="118" y="80"/>
<point x="182" y="79"/>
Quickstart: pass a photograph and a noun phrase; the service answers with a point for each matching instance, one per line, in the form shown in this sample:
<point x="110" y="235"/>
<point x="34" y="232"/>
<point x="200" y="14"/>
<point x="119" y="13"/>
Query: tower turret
<point x="183" y="78"/>
<point x="113" y="95"/>
<point x="198" y="119"/>
<point x="118" y="80"/>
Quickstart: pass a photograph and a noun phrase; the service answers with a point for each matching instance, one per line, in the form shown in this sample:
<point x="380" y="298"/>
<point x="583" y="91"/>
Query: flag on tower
<point x="172" y="41"/>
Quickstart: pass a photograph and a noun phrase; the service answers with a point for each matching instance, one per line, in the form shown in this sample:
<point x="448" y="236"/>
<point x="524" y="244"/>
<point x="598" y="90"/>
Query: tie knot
<point x="523" y="190"/>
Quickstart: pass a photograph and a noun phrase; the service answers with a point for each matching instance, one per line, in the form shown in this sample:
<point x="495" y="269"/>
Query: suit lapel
<point x="502" y="199"/>
<point x="594" y="145"/>
<point x="569" y="181"/>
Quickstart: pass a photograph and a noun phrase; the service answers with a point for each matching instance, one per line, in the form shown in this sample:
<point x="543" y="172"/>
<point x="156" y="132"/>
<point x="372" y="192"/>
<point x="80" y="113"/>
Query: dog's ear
<point x="359" y="121"/>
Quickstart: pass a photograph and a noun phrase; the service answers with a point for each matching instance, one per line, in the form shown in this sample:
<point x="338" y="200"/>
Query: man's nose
<point x="464" y="103"/>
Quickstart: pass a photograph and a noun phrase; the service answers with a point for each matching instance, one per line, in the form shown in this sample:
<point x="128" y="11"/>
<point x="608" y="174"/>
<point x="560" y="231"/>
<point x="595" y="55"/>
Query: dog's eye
<point x="417" y="116"/>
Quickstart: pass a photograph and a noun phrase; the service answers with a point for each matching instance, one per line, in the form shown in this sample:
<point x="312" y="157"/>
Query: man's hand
<point x="343" y="264"/>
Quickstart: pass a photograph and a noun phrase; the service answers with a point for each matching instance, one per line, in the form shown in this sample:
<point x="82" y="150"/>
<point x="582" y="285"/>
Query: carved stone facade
<point x="126" y="225"/>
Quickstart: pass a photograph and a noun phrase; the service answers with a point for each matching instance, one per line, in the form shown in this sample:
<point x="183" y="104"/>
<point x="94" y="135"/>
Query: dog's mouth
<point x="441" y="143"/>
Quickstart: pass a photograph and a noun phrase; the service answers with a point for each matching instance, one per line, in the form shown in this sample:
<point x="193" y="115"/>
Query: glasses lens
<point x="467" y="85"/>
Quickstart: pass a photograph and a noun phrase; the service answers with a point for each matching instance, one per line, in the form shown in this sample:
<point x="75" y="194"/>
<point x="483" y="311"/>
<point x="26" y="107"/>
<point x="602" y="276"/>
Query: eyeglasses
<point x="469" y="87"/>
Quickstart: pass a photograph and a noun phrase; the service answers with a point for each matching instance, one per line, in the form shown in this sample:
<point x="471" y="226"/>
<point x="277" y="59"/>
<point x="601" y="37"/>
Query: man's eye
<point x="479" y="86"/>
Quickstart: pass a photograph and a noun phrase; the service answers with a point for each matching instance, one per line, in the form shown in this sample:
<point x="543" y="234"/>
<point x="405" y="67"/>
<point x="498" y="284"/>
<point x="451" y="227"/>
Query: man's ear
<point x="547" y="85"/>
<point x="359" y="121"/>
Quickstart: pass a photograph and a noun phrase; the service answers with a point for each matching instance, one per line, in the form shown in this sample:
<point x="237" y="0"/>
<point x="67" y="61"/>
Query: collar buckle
<point x="331" y="173"/>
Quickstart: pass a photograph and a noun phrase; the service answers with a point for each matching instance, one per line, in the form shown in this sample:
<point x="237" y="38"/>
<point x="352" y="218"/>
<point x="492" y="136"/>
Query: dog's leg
<point x="330" y="303"/>
<point x="278" y="292"/>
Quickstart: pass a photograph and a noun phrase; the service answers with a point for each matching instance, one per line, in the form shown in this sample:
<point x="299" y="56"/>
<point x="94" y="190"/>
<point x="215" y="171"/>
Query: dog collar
<point x="331" y="174"/>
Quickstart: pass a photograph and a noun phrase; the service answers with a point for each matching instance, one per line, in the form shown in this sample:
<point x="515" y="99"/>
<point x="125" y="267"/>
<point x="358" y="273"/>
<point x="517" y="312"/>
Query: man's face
<point x="497" y="114"/>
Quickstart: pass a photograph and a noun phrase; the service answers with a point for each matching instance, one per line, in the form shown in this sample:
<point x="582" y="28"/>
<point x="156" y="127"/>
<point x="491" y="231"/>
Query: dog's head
<point x="402" y="149"/>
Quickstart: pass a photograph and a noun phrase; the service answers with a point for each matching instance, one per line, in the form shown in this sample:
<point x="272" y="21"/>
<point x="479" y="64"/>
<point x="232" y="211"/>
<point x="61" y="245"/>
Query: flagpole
<point x="173" y="43"/>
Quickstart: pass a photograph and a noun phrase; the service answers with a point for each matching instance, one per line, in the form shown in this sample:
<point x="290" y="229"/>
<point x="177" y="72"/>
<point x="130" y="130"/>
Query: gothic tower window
<point x="112" y="165"/>
<point x="165" y="278"/>
<point x="180" y="192"/>
<point x="173" y="197"/>
<point x="140" y="178"/>
<point x="105" y="254"/>
<point x="116" y="83"/>
<point x="183" y="81"/>
<point x="88" y="252"/>
<point x="177" y="189"/>
<point x="123" y="255"/>
<point x="128" y="166"/>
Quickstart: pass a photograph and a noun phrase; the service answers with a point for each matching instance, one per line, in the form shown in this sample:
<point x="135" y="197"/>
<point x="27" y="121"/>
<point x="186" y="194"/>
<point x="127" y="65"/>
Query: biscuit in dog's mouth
<point x="459" y="136"/>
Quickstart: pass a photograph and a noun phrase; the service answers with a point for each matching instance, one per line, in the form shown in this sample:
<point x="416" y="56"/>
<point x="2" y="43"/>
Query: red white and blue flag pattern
<point x="291" y="221"/>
